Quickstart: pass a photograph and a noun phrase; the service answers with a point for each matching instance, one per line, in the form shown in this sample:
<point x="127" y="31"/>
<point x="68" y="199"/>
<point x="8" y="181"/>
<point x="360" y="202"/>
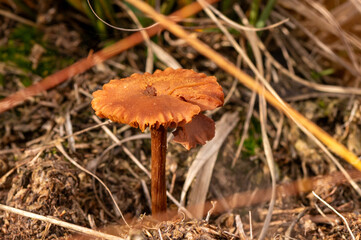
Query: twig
<point x="334" y="210"/>
<point x="278" y="131"/>
<point x="240" y="229"/>
<point x="289" y="229"/>
<point x="60" y="223"/>
<point x="250" y="225"/>
<point x="319" y="210"/>
<point x="160" y="234"/>
<point x="69" y="131"/>
<point x="18" y="18"/>
<point x="210" y="211"/>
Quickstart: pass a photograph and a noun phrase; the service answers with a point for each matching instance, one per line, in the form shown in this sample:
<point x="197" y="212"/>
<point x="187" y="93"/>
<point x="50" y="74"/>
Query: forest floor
<point x="49" y="141"/>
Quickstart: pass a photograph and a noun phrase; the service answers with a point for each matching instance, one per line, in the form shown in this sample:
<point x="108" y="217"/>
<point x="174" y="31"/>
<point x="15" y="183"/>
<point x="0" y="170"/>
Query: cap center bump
<point x="150" y="91"/>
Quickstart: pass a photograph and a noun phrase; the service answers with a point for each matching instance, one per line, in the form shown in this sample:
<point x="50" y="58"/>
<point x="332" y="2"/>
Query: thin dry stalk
<point x="18" y="18"/>
<point x="252" y="39"/>
<point x="240" y="230"/>
<point x="69" y="131"/>
<point x="209" y="213"/>
<point x="250" y="225"/>
<point x="246" y="123"/>
<point x="150" y="58"/>
<point x="266" y="146"/>
<point x="289" y="229"/>
<point x="60" y="223"/>
<point x="61" y="149"/>
<point x="335" y="211"/>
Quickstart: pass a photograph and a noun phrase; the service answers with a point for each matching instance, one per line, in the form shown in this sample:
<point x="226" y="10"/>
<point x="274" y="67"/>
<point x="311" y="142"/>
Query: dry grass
<point x="311" y="61"/>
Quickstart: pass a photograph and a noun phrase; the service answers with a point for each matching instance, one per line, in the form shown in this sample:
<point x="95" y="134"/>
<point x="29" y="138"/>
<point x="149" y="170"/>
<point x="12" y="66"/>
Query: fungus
<point x="162" y="100"/>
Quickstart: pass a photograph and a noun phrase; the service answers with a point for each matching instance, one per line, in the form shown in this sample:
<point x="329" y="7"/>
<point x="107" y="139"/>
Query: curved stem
<point x="158" y="187"/>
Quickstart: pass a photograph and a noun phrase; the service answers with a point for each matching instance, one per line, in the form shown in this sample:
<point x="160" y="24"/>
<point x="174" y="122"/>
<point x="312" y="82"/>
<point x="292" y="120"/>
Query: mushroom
<point x="162" y="100"/>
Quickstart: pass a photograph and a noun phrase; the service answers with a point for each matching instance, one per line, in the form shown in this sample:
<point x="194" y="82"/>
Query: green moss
<point x="2" y="79"/>
<point x="254" y="140"/>
<point x="318" y="75"/>
<point x="26" y="81"/>
<point x="322" y="104"/>
<point x="18" y="49"/>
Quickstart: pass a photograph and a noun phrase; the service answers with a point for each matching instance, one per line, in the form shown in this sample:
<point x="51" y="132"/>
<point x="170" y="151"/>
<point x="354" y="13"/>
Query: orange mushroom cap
<point x="168" y="98"/>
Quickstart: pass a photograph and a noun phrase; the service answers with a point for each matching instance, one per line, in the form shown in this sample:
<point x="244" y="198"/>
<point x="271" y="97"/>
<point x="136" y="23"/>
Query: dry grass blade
<point x="203" y="164"/>
<point x="246" y="123"/>
<point x="57" y="222"/>
<point x="165" y="57"/>
<point x="270" y="162"/>
<point x="332" y="144"/>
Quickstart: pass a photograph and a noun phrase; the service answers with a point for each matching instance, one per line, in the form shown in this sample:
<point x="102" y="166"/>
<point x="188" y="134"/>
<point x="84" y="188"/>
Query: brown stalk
<point x="86" y="63"/>
<point x="158" y="186"/>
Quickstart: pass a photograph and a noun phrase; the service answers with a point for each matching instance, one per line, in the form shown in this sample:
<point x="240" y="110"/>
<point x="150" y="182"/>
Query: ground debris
<point x="189" y="230"/>
<point x="48" y="187"/>
<point x="51" y="186"/>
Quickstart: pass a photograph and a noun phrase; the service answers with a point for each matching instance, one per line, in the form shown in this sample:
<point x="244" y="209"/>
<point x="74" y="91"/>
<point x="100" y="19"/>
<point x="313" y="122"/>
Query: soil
<point x="37" y="177"/>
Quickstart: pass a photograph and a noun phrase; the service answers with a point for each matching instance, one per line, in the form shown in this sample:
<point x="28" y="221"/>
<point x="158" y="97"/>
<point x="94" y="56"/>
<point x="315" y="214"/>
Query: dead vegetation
<point x="311" y="61"/>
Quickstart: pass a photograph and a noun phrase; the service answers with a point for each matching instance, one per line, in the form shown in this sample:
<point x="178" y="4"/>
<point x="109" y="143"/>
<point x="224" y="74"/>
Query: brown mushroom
<point x="164" y="99"/>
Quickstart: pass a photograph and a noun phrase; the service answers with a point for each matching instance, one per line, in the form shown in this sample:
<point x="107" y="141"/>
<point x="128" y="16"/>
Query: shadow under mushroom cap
<point x="170" y="98"/>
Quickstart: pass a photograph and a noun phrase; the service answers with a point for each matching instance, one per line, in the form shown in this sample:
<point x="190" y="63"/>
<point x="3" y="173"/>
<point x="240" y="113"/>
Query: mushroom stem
<point x="158" y="187"/>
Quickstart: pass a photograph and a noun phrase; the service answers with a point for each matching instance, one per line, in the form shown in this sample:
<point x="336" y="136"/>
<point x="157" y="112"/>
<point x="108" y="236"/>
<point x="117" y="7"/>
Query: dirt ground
<point x="48" y="141"/>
